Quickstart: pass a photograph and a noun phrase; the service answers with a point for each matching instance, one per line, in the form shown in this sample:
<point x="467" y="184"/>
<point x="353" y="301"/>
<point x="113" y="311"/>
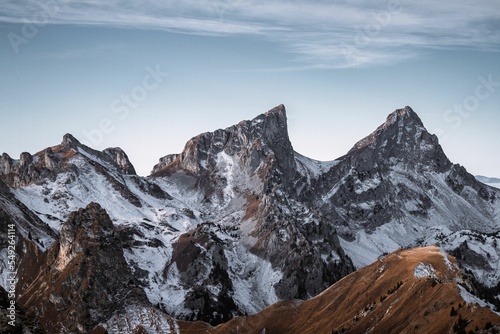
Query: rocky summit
<point x="237" y="223"/>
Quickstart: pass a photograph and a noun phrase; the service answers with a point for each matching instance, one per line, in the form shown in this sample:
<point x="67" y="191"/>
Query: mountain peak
<point x="70" y="141"/>
<point x="281" y="110"/>
<point x="403" y="137"/>
<point x="120" y="158"/>
<point x="273" y="122"/>
<point x="265" y="133"/>
<point x="116" y="154"/>
<point x="406" y="115"/>
<point x="402" y="125"/>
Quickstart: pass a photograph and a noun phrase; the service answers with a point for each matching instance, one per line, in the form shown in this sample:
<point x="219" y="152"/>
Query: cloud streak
<point x="320" y="33"/>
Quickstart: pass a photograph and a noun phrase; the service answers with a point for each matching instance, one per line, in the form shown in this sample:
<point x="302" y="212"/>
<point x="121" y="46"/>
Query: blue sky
<point x="150" y="75"/>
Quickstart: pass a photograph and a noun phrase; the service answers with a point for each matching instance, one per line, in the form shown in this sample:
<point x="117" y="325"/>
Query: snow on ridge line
<point x="447" y="261"/>
<point x="315" y="167"/>
<point x="471" y="299"/>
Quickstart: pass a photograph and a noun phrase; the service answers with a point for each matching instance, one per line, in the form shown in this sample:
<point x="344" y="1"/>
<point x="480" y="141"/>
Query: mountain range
<point x="239" y="233"/>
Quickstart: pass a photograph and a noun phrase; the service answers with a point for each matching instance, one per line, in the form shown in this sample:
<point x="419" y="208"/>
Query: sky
<point x="147" y="76"/>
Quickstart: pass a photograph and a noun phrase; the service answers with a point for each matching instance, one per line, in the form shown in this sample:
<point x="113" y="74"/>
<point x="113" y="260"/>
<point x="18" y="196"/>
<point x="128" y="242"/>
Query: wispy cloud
<point x="84" y="52"/>
<point x="320" y="33"/>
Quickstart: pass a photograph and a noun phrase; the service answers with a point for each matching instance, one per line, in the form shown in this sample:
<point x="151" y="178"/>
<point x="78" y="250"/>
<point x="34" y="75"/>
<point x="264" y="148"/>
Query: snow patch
<point x="230" y="170"/>
<point x="152" y="320"/>
<point x="308" y="167"/>
<point x="363" y="186"/>
<point x="253" y="279"/>
<point x="469" y="298"/>
<point x="424" y="270"/>
<point x="447" y="261"/>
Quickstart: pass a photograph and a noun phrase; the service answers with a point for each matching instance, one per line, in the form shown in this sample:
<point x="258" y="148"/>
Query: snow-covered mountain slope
<point x="238" y="220"/>
<point x="244" y="176"/>
<point x="231" y="207"/>
<point x="421" y="290"/>
<point x="150" y="221"/>
<point x="396" y="188"/>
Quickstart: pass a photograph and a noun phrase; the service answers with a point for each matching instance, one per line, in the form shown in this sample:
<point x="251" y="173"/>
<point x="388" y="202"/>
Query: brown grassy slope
<point x="384" y="297"/>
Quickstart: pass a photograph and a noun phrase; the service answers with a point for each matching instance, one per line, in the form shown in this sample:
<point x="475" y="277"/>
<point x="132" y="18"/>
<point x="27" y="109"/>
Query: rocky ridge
<point x="410" y="291"/>
<point x="239" y="221"/>
<point x="76" y="275"/>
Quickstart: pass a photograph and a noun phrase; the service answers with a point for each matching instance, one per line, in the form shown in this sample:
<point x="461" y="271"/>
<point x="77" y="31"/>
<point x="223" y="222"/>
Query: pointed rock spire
<point x="70" y="141"/>
<point x="5" y="164"/>
<point x="267" y="130"/>
<point x="403" y="137"/>
<point x="121" y="159"/>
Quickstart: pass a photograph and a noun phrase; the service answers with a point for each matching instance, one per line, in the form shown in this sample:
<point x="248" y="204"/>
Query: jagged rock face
<point x="200" y="259"/>
<point x="401" y="139"/>
<point x="264" y="138"/>
<point x="409" y="291"/>
<point x="84" y="278"/>
<point x="393" y="173"/>
<point x="250" y="168"/>
<point x="364" y="175"/>
<point x="47" y="164"/>
<point x="36" y="168"/>
<point x="163" y="162"/>
<point x="28" y="169"/>
<point x="310" y="255"/>
<point x="121" y="160"/>
<point x="458" y="179"/>
<point x="400" y="143"/>
<point x="237" y="221"/>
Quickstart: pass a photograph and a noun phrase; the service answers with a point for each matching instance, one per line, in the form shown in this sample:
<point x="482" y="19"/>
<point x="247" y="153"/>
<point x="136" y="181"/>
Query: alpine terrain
<point x="239" y="233"/>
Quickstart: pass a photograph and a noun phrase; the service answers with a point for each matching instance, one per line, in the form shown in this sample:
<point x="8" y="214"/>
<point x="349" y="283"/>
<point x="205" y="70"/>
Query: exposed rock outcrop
<point x="231" y="225"/>
<point x="52" y="161"/>
<point x="84" y="278"/>
<point x="120" y="158"/>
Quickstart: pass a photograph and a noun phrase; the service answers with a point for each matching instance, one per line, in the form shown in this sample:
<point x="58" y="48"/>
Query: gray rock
<point x="83" y="279"/>
<point x="121" y="160"/>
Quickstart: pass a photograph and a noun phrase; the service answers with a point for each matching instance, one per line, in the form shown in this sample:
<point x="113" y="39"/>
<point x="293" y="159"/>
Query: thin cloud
<point x="83" y="52"/>
<point x="320" y="33"/>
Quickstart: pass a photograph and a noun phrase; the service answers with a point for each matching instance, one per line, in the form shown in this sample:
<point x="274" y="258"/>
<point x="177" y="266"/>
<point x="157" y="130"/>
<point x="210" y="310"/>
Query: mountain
<point x="421" y="290"/>
<point x="76" y="275"/>
<point x="396" y="188"/>
<point x="233" y="224"/>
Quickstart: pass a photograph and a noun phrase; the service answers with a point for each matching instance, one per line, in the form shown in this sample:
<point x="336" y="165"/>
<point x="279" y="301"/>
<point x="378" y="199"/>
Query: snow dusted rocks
<point x="84" y="273"/>
<point x="120" y="158"/>
<point x="245" y="176"/>
<point x="163" y="162"/>
<point x="396" y="188"/>
<point x="252" y="140"/>
<point x="424" y="270"/>
<point x="238" y="220"/>
<point x="257" y="146"/>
